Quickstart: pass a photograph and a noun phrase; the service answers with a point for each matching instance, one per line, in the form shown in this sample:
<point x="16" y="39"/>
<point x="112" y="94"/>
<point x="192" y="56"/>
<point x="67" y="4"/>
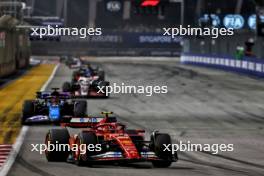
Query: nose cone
<point x="133" y="155"/>
<point x="128" y="147"/>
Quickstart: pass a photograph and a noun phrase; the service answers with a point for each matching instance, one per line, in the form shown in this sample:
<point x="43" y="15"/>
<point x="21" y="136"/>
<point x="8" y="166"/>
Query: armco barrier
<point x="250" y="66"/>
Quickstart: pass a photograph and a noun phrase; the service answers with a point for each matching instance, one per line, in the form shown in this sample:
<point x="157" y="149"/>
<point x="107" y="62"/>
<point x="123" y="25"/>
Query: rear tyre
<point x="80" y="109"/>
<point x="166" y="156"/>
<point x="57" y="137"/>
<point x="66" y="87"/>
<point x="27" y="111"/>
<point x="85" y="139"/>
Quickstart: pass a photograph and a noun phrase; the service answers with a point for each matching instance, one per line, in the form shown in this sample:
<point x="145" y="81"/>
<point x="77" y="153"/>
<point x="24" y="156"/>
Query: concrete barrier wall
<point x="14" y="51"/>
<point x="7" y="53"/>
<point x="249" y="66"/>
<point x="23" y="50"/>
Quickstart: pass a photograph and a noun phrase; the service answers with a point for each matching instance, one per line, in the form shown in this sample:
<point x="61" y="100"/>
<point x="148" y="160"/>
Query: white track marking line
<point x="19" y="141"/>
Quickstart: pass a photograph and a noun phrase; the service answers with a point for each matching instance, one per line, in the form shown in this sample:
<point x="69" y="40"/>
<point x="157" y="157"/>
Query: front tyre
<point x="27" y="110"/>
<point x="80" y="108"/>
<point x="66" y="87"/>
<point x="101" y="75"/>
<point x="82" y="155"/>
<point x="165" y="156"/>
<point x="59" y="137"/>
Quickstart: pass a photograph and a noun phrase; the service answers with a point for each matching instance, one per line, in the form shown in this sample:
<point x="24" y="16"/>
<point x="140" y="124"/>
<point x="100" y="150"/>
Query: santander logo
<point x="150" y="3"/>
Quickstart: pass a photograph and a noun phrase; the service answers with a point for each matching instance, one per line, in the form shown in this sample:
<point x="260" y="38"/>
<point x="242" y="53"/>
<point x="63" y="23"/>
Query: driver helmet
<point x="55" y="97"/>
<point x="88" y="73"/>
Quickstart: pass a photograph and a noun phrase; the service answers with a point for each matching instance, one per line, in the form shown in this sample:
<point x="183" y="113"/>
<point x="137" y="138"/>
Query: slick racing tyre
<point x="57" y="137"/>
<point x="101" y="75"/>
<point x="75" y="75"/>
<point x="84" y="139"/>
<point x="27" y="110"/>
<point x="80" y="109"/>
<point x="103" y="85"/>
<point x="66" y="87"/>
<point x="159" y="147"/>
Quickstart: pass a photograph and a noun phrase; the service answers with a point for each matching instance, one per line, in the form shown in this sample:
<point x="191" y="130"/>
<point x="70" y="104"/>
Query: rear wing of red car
<point x="81" y="122"/>
<point x="87" y="122"/>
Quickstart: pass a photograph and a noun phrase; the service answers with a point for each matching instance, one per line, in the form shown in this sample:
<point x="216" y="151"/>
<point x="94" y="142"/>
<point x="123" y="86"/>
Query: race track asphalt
<point x="202" y="106"/>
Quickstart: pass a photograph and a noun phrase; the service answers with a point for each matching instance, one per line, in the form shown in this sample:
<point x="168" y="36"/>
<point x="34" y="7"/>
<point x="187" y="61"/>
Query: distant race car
<point x="87" y="69"/>
<point x="108" y="141"/>
<point x="73" y="62"/>
<point x="52" y="106"/>
<point x="85" y="83"/>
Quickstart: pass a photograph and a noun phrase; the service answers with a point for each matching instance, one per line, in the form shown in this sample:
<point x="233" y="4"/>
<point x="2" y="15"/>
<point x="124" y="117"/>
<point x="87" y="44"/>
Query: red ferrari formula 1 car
<point x="104" y="139"/>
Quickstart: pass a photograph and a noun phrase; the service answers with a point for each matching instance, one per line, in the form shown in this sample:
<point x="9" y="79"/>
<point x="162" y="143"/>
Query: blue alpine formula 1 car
<point x="52" y="106"/>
